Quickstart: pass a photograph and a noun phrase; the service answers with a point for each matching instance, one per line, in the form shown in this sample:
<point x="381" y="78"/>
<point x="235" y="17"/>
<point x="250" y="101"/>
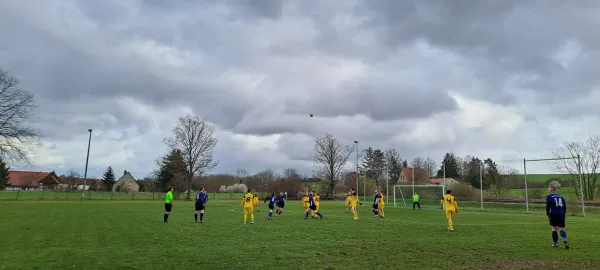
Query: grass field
<point x="131" y="235"/>
<point x="51" y="195"/>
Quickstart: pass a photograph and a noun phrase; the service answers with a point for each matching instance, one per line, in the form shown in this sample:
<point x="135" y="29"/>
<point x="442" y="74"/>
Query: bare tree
<point x="418" y="162"/>
<point x="195" y="138"/>
<point x="71" y="178"/>
<point x="241" y="174"/>
<point x="15" y="111"/>
<point x="430" y="166"/>
<point x="507" y="176"/>
<point x="291" y="173"/>
<point x="330" y="158"/>
<point x="589" y="152"/>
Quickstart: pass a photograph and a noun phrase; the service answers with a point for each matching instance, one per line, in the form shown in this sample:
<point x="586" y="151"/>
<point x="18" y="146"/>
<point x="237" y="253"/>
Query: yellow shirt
<point x="317" y="199"/>
<point x="381" y="202"/>
<point x="305" y="201"/>
<point x="354" y="200"/>
<point x="449" y="203"/>
<point x="247" y="200"/>
<point x="255" y="199"/>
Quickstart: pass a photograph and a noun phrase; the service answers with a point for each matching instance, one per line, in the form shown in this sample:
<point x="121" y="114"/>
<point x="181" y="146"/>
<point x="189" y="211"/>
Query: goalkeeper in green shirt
<point x="416" y="201"/>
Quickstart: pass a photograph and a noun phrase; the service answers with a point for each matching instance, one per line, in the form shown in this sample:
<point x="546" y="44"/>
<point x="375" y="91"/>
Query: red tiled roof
<point x="437" y="180"/>
<point x="25" y="178"/>
<point x="420" y="174"/>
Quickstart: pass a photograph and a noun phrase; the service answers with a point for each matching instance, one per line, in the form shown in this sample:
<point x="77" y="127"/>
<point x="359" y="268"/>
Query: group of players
<point x="555" y="207"/>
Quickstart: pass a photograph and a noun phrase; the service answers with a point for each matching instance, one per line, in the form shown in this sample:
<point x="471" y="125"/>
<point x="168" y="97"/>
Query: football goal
<point x="428" y="194"/>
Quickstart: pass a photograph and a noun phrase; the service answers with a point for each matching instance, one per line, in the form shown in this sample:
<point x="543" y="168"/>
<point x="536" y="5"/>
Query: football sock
<point x="563" y="234"/>
<point x="375" y="212"/>
<point x="382" y="214"/>
<point x="196" y="217"/>
<point x="306" y="214"/>
<point x="319" y="214"/>
<point x="165" y="217"/>
<point x="201" y="216"/>
<point x="555" y="237"/>
<point x="245" y="218"/>
<point x="270" y="214"/>
<point x="450" y="224"/>
<point x="252" y="217"/>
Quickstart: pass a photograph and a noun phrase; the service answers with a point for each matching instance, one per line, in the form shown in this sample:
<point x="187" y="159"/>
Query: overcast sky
<point x="499" y="79"/>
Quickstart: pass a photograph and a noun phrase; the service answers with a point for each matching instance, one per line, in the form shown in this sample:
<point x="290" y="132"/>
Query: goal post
<point x="574" y="169"/>
<point x="427" y="193"/>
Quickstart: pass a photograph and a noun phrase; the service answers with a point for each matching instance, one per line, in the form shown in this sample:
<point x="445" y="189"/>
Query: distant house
<point x="442" y="181"/>
<point x="126" y="183"/>
<point x="25" y="180"/>
<point x="77" y="183"/>
<point x="420" y="175"/>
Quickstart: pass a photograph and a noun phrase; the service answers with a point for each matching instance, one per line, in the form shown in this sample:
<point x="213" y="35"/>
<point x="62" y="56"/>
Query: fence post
<point x="18" y="191"/>
<point x="66" y="194"/>
<point x="112" y="194"/>
<point x="43" y="190"/>
<point x="132" y="195"/>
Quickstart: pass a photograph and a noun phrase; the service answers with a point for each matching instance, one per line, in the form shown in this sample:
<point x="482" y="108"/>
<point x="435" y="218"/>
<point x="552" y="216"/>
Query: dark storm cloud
<point x="378" y="100"/>
<point x="511" y="38"/>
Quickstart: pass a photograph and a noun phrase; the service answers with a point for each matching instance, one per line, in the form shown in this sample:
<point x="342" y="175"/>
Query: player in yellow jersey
<point x="255" y="202"/>
<point x="305" y="201"/>
<point x="449" y="203"/>
<point x="348" y="201"/>
<point x="380" y="205"/>
<point x="353" y="203"/>
<point x="248" y="203"/>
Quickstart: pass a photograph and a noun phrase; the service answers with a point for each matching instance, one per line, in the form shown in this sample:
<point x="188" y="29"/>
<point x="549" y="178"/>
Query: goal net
<point x="428" y="195"/>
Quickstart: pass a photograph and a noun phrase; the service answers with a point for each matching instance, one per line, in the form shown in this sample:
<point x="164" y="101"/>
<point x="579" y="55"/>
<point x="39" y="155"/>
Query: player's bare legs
<point x="355" y="213"/>
<point x="563" y="234"/>
<point x="381" y="213"/>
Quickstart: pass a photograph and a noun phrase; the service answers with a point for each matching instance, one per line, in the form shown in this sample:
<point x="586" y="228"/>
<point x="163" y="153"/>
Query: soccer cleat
<point x="555" y="245"/>
<point x="321" y="217"/>
<point x="252" y="222"/>
<point x="566" y="245"/>
<point x="244" y="223"/>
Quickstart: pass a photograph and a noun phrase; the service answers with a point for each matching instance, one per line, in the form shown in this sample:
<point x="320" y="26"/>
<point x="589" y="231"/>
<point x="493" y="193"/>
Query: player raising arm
<point x="449" y="203"/>
<point x="556" y="209"/>
<point x="248" y="203"/>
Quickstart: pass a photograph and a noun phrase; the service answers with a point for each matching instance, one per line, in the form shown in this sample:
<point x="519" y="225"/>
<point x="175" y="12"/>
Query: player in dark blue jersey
<point x="556" y="209"/>
<point x="280" y="203"/>
<point x="272" y="201"/>
<point x="376" y="204"/>
<point x="200" y="206"/>
<point x="312" y="206"/>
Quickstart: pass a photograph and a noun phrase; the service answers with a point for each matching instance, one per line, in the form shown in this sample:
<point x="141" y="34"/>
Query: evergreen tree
<point x="472" y="172"/>
<point x="492" y="174"/>
<point x="374" y="162"/>
<point x="405" y="164"/>
<point x="172" y="170"/>
<point x="109" y="178"/>
<point x="3" y="174"/>
<point x="452" y="166"/>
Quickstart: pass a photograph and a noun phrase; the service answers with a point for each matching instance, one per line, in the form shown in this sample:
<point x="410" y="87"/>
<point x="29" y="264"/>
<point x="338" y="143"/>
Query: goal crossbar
<point x="414" y="186"/>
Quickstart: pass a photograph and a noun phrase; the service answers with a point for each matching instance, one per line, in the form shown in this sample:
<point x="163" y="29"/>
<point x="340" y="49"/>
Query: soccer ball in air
<point x="311" y="115"/>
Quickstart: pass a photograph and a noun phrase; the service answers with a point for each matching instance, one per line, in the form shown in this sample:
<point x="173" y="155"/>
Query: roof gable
<point x="27" y="178"/>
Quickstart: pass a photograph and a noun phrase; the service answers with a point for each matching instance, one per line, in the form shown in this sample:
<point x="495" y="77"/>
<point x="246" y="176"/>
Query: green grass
<point x="130" y="235"/>
<point x="541" y="178"/>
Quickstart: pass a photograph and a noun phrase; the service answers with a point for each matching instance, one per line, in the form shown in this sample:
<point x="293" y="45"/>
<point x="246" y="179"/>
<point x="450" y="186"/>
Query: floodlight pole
<point x="579" y="169"/>
<point x="86" y="165"/>
<point x="481" y="165"/>
<point x="356" y="143"/>
<point x="525" y="179"/>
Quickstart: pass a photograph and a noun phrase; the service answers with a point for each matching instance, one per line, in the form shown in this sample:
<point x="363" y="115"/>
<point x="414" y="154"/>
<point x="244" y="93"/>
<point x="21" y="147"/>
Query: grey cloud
<point x="380" y="101"/>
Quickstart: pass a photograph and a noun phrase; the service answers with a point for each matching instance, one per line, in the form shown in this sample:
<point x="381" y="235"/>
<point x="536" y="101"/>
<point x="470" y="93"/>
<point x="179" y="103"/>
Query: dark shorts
<point x="199" y="207"/>
<point x="313" y="207"/>
<point x="271" y="207"/>
<point x="168" y="207"/>
<point x="375" y="206"/>
<point x="557" y="220"/>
